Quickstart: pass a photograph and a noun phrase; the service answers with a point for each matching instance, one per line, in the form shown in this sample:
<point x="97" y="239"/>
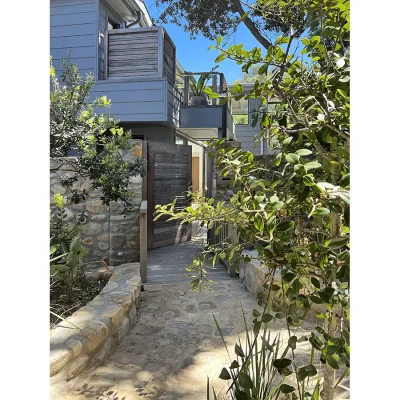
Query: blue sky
<point x="193" y="54"/>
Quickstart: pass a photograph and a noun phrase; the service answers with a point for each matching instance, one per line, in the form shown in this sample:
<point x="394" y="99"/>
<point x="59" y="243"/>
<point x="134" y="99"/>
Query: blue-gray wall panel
<point x="67" y="9"/>
<point x="74" y="29"/>
<point x="140" y="101"/>
<point x="200" y="117"/>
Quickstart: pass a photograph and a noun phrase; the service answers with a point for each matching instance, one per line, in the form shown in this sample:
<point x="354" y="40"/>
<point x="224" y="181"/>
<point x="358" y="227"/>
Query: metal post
<point x="186" y="90"/>
<point x="143" y="241"/>
<point x="232" y="232"/>
<point x="214" y="88"/>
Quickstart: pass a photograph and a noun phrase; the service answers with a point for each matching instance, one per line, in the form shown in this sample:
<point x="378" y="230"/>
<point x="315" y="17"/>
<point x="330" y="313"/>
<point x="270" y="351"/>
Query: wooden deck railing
<point x="143" y="241"/>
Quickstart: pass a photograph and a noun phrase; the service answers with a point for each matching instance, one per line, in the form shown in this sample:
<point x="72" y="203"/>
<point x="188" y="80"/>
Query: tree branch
<point x="250" y="25"/>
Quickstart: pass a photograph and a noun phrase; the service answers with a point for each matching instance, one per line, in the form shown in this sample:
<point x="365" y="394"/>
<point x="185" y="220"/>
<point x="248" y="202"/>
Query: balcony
<point x="142" y="53"/>
<point x="201" y="117"/>
<point x="138" y="69"/>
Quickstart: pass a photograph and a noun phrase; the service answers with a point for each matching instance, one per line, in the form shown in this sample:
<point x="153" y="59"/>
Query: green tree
<point x="97" y="138"/>
<point x="294" y="209"/>
<point x="252" y="75"/>
<point x="214" y="18"/>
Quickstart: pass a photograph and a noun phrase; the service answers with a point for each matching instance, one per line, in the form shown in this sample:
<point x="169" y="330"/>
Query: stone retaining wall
<point x="253" y="274"/>
<point x="107" y="234"/>
<point x="101" y="325"/>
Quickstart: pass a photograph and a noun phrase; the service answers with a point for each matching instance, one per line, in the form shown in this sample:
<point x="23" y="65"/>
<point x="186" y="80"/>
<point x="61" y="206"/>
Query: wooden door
<point x="196" y="173"/>
<point x="169" y="176"/>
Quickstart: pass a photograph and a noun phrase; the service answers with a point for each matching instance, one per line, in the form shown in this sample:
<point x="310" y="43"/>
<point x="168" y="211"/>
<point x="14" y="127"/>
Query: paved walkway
<point x="175" y="344"/>
<point x="168" y="264"/>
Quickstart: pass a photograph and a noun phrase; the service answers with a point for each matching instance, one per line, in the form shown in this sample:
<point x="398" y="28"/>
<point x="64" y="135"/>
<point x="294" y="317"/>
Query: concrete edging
<point x="101" y="325"/>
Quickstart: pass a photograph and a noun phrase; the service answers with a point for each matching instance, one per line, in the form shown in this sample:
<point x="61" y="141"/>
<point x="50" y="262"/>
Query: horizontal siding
<point x="73" y="19"/>
<point x="134" y="101"/>
<point x="245" y="135"/>
<point x="84" y="63"/>
<point x="79" y="52"/>
<point x="67" y="9"/>
<point x="73" y="30"/>
<point x="73" y="42"/>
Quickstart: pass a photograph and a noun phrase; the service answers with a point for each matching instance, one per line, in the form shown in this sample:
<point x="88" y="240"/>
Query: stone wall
<point x="107" y="234"/>
<point x="99" y="327"/>
<point x="252" y="274"/>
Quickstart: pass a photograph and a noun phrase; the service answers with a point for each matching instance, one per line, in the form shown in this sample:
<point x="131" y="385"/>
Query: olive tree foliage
<point x="97" y="138"/>
<point x="293" y="209"/>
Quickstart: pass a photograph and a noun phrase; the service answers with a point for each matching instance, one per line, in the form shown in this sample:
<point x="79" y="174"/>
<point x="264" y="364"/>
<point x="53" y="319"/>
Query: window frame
<point x="248" y="114"/>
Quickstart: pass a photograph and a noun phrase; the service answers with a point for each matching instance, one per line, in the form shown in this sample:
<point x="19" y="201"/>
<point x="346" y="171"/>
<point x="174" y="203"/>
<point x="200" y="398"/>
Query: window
<point x="240" y="112"/>
<point x="179" y="140"/>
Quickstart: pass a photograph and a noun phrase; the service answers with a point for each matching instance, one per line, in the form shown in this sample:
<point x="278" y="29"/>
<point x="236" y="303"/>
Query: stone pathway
<point x="174" y="346"/>
<point x="175" y="343"/>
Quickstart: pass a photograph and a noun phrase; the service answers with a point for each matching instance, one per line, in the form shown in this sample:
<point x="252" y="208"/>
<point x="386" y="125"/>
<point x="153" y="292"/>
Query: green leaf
<point x="312" y="165"/>
<point x="315" y="299"/>
<point x="280" y="315"/>
<point x="301" y="374"/>
<point x="308" y="180"/>
<point x="278" y="159"/>
<point x="238" y="349"/>
<point x="300" y="169"/>
<point x="287" y="141"/>
<point x="346" y="216"/>
<point x="315" y="282"/>
<point x="344" y="79"/>
<point x="296" y="285"/>
<point x="316" y="343"/>
<point x="315" y="40"/>
<point x="303" y="152"/>
<point x="292" y="342"/>
<point x="336" y="242"/>
<point x="281" y="363"/>
<point x="302" y="339"/>
<point x="284" y="226"/>
<point x="292" y="158"/>
<point x="266" y="318"/>
<point x="345" y="197"/>
<point x="293" y="313"/>
<point x="256" y="313"/>
<point x="288" y="277"/>
<point x="245" y="381"/>
<point x="271" y="224"/>
<point x="225" y="375"/>
<point x="240" y="395"/>
<point x="321" y="212"/>
<point x="345" y="182"/>
<point x="234" y="365"/>
<point x="305" y="41"/>
<point x="332" y="362"/>
<point x="286" y="389"/>
<point x="259" y="222"/>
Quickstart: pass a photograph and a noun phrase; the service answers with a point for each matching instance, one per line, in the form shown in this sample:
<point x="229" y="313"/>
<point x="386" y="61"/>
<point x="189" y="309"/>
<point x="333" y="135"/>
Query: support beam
<point x="143" y="241"/>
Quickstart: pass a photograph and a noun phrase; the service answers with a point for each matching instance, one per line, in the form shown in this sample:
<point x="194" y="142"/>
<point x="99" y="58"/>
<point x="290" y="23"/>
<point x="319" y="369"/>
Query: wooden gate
<point x="169" y="176"/>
